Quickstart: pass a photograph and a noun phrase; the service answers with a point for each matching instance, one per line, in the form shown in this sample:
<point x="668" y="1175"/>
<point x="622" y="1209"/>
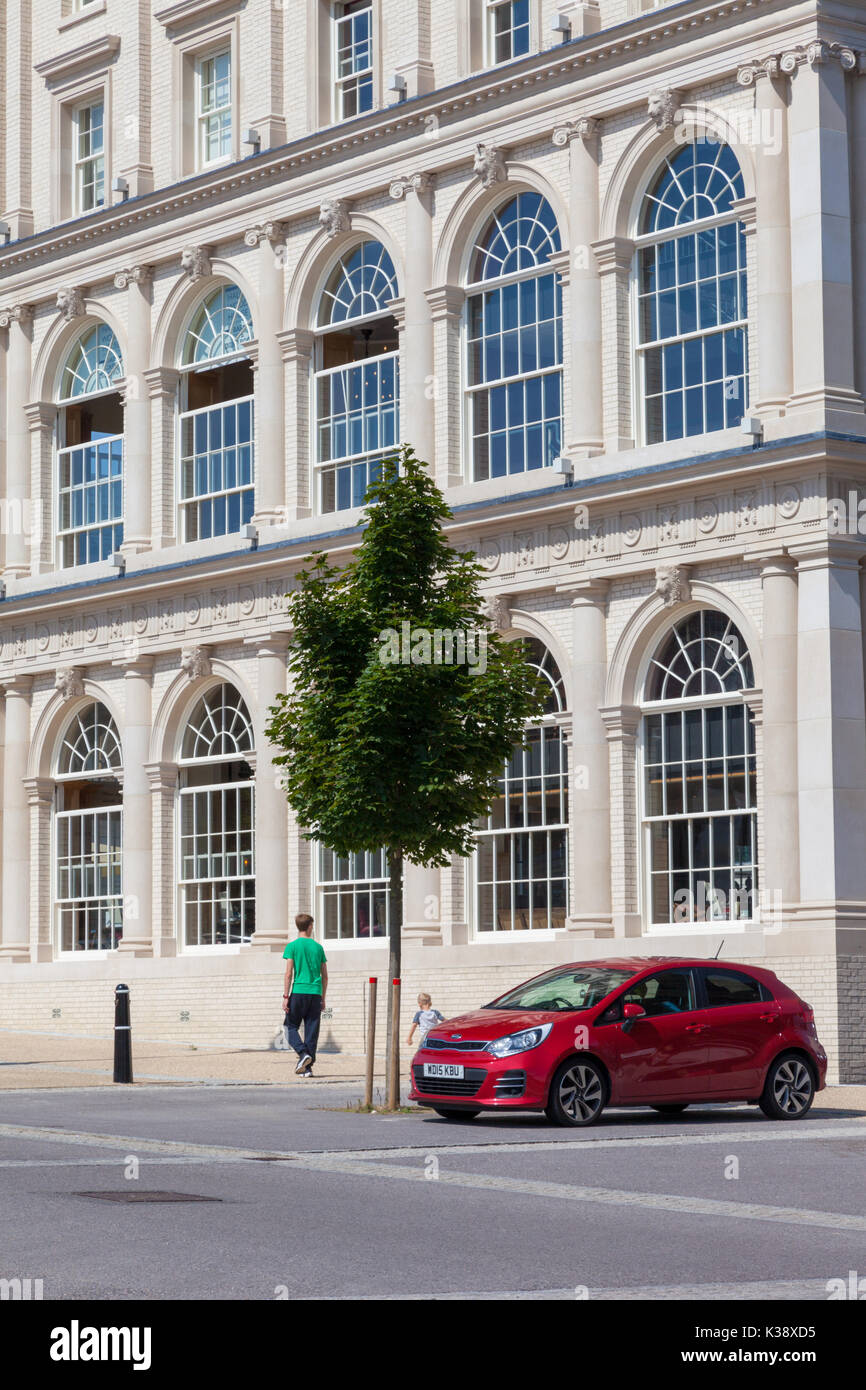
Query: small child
<point x="425" y="1019"/>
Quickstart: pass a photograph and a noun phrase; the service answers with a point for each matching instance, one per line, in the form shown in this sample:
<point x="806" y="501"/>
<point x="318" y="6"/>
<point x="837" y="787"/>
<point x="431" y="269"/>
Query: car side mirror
<point x="630" y="1014"/>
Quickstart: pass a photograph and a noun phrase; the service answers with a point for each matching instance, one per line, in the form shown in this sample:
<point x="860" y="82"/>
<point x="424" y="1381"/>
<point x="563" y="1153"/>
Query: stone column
<point x="138" y="924"/>
<point x="16" y="822"/>
<point x="422" y="905"/>
<point x="590" y="911"/>
<point x="19" y="321"/>
<point x="622" y="723"/>
<point x="137" y="457"/>
<point x="821" y="235"/>
<point x="615" y="258"/>
<point x="858" y="167"/>
<point x="446" y="306"/>
<point x="772" y="234"/>
<point x="583" y="427"/>
<point x="272" y="818"/>
<point x="779" y="870"/>
<point x="165" y="899"/>
<point x="296" y="346"/>
<point x="162" y="385"/>
<point x="270" y="503"/>
<point x="40" y="799"/>
<point x="42" y="422"/>
<point x="831" y="732"/>
<point x="417" y="394"/>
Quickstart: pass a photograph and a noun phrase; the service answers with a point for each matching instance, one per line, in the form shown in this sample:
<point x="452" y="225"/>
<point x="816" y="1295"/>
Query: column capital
<point x="759" y="68"/>
<point x="40" y="415"/>
<point x="583" y="128"/>
<point x="819" y="54"/>
<point x="22" y="314"/>
<point x="840" y="552"/>
<point x="296" y="344"/>
<point x="18" y="685"/>
<point x="446" y="301"/>
<point x="270" y="232"/>
<point x="591" y="591"/>
<point x="140" y="275"/>
<point x="614" y="255"/>
<point x="621" y="722"/>
<point x="161" y="381"/>
<point x="419" y="183"/>
<point x="162" y="776"/>
<point x="135" y="666"/>
<point x="274" y="642"/>
<point x="771" y="556"/>
<point x="40" y="790"/>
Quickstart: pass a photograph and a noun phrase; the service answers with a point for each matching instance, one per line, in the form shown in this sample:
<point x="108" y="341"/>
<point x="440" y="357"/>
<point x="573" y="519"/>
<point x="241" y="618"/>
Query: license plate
<point x="445" y="1070"/>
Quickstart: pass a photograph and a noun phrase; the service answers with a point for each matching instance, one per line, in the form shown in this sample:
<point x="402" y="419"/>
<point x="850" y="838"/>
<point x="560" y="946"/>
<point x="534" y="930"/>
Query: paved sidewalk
<point x="49" y="1060"/>
<point x="29" y="1060"/>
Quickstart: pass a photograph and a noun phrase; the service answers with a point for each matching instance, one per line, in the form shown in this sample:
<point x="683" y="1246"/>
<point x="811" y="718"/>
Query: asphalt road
<point x="719" y="1203"/>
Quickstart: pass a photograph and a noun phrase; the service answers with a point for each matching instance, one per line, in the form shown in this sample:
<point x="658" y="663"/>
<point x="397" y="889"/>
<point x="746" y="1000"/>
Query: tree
<point x="384" y="742"/>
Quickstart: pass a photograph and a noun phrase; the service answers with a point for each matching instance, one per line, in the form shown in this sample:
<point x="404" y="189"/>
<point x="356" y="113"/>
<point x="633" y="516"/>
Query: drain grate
<point x="148" y="1196"/>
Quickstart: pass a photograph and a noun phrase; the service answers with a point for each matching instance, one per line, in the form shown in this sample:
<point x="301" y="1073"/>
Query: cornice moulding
<point x="471" y="95"/>
<point x="69" y="64"/>
<point x="192" y="11"/>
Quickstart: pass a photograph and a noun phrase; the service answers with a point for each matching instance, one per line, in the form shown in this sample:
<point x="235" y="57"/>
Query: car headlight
<point x="519" y="1042"/>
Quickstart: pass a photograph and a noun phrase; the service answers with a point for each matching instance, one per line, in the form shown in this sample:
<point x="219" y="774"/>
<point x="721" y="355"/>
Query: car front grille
<point x="449" y="1085"/>
<point x="444" y="1045"/>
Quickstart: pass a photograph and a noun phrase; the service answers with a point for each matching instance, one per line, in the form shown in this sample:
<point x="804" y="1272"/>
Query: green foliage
<point x="401" y="756"/>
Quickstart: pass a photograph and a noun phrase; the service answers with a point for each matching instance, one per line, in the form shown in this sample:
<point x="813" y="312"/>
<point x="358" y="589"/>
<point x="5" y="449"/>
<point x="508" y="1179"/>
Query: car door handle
<point x="697" y="1027"/>
<point x="769" y="1018"/>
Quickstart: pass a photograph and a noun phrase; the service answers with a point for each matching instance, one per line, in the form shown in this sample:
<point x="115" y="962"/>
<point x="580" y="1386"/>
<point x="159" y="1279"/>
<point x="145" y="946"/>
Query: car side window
<point x="730" y="987"/>
<point x="669" y="992"/>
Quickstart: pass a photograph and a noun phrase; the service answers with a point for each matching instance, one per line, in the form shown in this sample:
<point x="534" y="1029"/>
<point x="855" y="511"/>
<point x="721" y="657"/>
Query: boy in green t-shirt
<point x="305" y="989"/>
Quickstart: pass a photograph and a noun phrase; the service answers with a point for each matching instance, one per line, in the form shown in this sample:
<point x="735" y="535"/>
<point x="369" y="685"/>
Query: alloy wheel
<point x="580" y="1092"/>
<point x="792" y="1086"/>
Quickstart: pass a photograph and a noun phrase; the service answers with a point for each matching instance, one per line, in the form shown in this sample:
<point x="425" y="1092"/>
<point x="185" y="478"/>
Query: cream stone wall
<point x="573" y="562"/>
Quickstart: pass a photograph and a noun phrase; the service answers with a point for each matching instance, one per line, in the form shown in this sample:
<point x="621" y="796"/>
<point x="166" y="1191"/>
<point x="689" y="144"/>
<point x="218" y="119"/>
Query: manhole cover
<point x="131" y="1197"/>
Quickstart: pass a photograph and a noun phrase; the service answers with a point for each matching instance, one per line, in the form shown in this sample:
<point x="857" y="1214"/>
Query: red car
<point x="657" y="1031"/>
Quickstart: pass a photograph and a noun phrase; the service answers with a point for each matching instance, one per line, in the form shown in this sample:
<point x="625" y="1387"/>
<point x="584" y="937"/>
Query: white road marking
<point x="770" y="1292"/>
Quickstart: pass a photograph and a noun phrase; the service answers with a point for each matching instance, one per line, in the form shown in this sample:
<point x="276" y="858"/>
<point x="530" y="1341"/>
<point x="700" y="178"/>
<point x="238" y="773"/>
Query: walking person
<point x="426" y="1018"/>
<point x="305" y="989"/>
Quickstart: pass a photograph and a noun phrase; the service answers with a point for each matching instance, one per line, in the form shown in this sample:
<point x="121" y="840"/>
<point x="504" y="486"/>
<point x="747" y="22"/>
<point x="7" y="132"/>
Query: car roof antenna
<point x="718" y="953"/>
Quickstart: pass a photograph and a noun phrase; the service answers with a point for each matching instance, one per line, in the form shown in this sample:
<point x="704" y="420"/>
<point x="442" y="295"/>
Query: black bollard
<point x="122" y="1036"/>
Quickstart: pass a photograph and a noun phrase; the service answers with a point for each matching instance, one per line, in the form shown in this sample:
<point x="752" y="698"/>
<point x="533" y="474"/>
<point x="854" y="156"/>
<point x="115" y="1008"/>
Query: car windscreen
<point x="562" y="990"/>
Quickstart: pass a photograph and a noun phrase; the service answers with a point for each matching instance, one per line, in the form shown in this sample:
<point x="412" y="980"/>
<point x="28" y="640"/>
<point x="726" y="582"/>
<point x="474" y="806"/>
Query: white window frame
<point x="339" y="83"/>
<point x="202" y="116"/>
<point x="97" y="160"/>
<point x="324" y="884"/>
<point x="490" y="9"/>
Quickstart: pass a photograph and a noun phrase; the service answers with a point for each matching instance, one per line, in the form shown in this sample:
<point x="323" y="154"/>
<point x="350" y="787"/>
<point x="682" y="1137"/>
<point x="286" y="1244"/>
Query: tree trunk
<point x="395" y="960"/>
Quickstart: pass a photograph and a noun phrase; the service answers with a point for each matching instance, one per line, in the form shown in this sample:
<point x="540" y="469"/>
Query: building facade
<point x="603" y="264"/>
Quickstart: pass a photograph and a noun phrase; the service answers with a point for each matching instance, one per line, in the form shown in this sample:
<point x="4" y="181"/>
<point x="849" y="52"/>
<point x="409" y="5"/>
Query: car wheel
<point x="578" y="1093"/>
<point x="789" y="1089"/>
<point x="448" y="1114"/>
<point x="669" y="1109"/>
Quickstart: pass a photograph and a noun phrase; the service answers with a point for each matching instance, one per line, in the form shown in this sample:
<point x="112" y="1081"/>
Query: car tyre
<point x="789" y="1089"/>
<point x="669" y="1109"/>
<point x="448" y="1114"/>
<point x="578" y="1093"/>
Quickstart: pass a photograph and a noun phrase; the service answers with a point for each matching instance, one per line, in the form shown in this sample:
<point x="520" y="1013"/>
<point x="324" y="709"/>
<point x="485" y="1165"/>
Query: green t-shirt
<point x="308" y="958"/>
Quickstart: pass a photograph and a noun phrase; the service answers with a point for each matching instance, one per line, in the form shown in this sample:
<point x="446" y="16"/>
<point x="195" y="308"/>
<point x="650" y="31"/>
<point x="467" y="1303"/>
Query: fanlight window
<point x="91" y="744"/>
<point x="522" y="846"/>
<point x="693" y="309"/>
<point x="363" y="282"/>
<point x="523" y="235"/>
<point x="704" y="655"/>
<point x="357" y="376"/>
<point x="94" y="364"/>
<point x="221" y="327"/>
<point x="219" y="726"/>
<point x="700" y="777"/>
<point x="88" y="833"/>
<point x="514" y="342"/>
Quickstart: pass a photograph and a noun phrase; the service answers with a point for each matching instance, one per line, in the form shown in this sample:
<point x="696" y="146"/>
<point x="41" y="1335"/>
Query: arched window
<point x="693" y="309"/>
<point x="217" y="469"/>
<point x="88" y="833"/>
<point x="514" y="339"/>
<point x="522" y="855"/>
<point x="90" y="450"/>
<point x="217" y="822"/>
<point x="700" y="796"/>
<point x="357" y="376"/>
